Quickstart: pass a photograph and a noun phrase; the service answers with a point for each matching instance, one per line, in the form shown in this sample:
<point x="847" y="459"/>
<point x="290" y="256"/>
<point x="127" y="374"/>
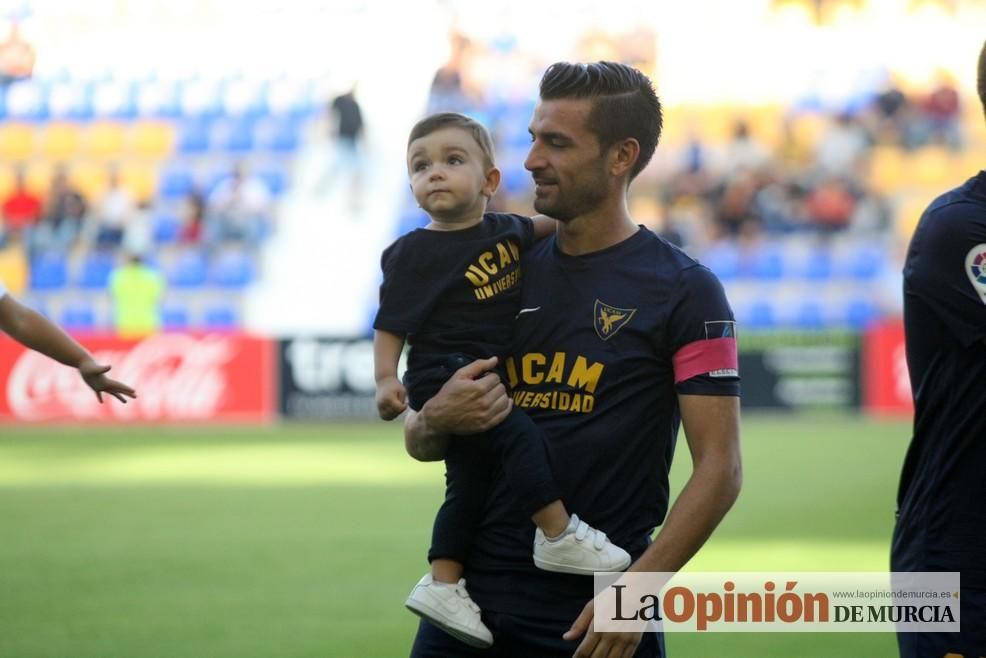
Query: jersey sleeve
<point x="403" y="305"/>
<point x="526" y="232"/>
<point x="702" y="336"/>
<point x="946" y="268"/>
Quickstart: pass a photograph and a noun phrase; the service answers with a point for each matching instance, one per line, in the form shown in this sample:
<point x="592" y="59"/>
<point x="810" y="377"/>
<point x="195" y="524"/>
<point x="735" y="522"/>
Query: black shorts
<point x="517" y="637"/>
<point x="970" y="643"/>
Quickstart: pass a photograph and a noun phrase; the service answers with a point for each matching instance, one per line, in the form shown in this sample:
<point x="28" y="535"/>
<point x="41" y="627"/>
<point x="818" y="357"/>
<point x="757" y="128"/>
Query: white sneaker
<point x="581" y="549"/>
<point x="450" y="608"/>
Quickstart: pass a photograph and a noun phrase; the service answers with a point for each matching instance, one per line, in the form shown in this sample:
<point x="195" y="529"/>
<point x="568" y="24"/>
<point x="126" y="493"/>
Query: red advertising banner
<point x="886" y="385"/>
<point x="178" y="377"/>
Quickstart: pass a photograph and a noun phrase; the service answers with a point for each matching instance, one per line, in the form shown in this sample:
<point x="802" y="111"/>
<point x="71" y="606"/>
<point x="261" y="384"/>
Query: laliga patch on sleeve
<point x="975" y="269"/>
<point x="715" y="356"/>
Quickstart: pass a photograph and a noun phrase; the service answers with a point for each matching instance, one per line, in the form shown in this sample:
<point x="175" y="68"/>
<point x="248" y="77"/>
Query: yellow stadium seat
<point x="766" y="124"/>
<point x="808" y="129"/>
<point x="37" y="175"/>
<point x="16" y="141"/>
<point x="909" y="212"/>
<point x="152" y="139"/>
<point x="887" y="169"/>
<point x="105" y="139"/>
<point x="6" y="183"/>
<point x="61" y="140"/>
<point x="930" y="166"/>
<point x="139" y="179"/>
<point x="90" y="178"/>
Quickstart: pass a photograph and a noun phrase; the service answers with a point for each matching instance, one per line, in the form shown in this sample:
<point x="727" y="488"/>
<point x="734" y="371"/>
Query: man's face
<point x="448" y="174"/>
<point x="566" y="161"/>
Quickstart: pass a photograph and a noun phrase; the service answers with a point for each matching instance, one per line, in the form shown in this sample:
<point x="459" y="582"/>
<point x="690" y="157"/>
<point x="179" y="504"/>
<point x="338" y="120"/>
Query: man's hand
<point x="600" y="645"/>
<point x="472" y="401"/>
<point x="391" y="398"/>
<point x="94" y="375"/>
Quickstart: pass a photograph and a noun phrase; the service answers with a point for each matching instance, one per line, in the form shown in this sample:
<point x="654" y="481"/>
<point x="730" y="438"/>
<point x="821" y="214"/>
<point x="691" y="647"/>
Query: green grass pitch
<point x="303" y="540"/>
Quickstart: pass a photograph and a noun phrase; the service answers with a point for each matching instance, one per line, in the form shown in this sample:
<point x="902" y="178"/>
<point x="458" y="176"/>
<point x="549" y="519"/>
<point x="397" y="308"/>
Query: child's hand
<point x="391" y="398"/>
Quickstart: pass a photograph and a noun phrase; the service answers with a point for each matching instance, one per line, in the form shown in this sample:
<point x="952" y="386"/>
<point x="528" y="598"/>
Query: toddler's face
<point x="448" y="174"/>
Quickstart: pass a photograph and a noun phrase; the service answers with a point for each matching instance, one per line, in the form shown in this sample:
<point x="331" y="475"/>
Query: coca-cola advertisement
<point x="886" y="383"/>
<point x="178" y="377"/>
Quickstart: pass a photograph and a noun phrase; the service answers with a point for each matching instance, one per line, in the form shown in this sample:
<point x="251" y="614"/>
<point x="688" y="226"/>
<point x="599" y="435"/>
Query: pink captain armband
<point x="716" y="357"/>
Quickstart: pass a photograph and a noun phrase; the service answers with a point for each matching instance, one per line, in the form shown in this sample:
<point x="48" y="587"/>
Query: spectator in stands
<point x="113" y="214"/>
<point x="21" y="210"/>
<point x="890" y="118"/>
<point x="136" y="290"/>
<point x="64" y="212"/>
<point x="842" y="148"/>
<point x="743" y="152"/>
<point x="347" y="127"/>
<point x="940" y="114"/>
<point x="192" y="217"/>
<point x="237" y="209"/>
<point x="830" y="205"/>
<point x="735" y="212"/>
<point x="17" y="56"/>
<point x="138" y="237"/>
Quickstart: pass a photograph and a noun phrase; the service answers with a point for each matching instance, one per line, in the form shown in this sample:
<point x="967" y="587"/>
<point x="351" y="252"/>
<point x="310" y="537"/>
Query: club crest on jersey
<point x="608" y="320"/>
<point x="975" y="268"/>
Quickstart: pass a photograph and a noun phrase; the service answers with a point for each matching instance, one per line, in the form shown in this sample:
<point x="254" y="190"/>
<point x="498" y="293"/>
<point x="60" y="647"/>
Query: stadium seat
<point x="78" y="316"/>
<point x="193" y="136"/>
<point x="152" y="139"/>
<point x="38" y="174"/>
<point x="866" y="262"/>
<point x="176" y="183"/>
<point x="174" y="317"/>
<point x="49" y="271"/>
<point x="861" y="313"/>
<point x="760" y="315"/>
<point x="115" y="100"/>
<point x="165" y="229"/>
<point x="291" y="98"/>
<point x="140" y="179"/>
<point x="221" y="317"/>
<point x="765" y="262"/>
<point x="232" y="269"/>
<point x="95" y="271"/>
<point x="233" y="136"/>
<point x="157" y="100"/>
<point x="104" y="139"/>
<point x="275" y="179"/>
<point x="188" y="270"/>
<point x="817" y="265"/>
<point x="27" y="99"/>
<point x="16" y="141"/>
<point x="70" y="100"/>
<point x="723" y="259"/>
<point x="809" y="315"/>
<point x="91" y="178"/>
<point x="200" y="98"/>
<point x="244" y="99"/>
<point x="61" y="140"/>
<point x="278" y="134"/>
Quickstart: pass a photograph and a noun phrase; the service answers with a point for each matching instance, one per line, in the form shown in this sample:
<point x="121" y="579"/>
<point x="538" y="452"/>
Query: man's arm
<point x="712" y="431"/>
<point x="471" y="401"/>
<point x="544" y="226"/>
<point x="34" y="331"/>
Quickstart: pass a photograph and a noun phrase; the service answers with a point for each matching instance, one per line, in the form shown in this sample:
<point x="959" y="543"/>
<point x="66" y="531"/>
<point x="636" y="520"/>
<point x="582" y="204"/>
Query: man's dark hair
<point x="442" y="120"/>
<point x="981" y="86"/>
<point x="624" y="104"/>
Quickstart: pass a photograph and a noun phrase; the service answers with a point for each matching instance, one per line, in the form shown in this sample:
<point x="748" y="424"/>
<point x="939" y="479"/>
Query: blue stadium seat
<point x="861" y="313"/>
<point x="723" y="259"/>
<point x="114" y="100"/>
<point x="176" y="183"/>
<point x="232" y="269"/>
<point x="866" y="262"/>
<point x="49" y="271"/>
<point x="766" y="263"/>
<point x="275" y="179"/>
<point x="188" y="270"/>
<point x="27" y="99"/>
<point x="233" y="136"/>
<point x="94" y="274"/>
<point x="810" y="315"/>
<point x="165" y="229"/>
<point x="157" y="100"/>
<point x="759" y="315"/>
<point x="70" y="100"/>
<point x="200" y="98"/>
<point x="221" y="317"/>
<point x="818" y="265"/>
<point x="78" y="316"/>
<point x="174" y="317"/>
<point x="193" y="136"/>
<point x="281" y="134"/>
<point x="244" y="99"/>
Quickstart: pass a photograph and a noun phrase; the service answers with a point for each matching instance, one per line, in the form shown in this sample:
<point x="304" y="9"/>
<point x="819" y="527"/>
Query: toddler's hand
<point x="391" y="398"/>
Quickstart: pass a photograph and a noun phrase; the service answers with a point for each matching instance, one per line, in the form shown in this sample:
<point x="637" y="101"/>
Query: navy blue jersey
<point x="941" y="502"/>
<point x="454" y="291"/>
<point x="605" y="341"/>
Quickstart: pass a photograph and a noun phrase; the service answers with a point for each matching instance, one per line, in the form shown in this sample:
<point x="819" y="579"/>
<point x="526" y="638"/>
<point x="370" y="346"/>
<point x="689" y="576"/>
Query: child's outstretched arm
<point x="35" y="331"/>
<point x="543" y="226"/>
<point x="391" y="396"/>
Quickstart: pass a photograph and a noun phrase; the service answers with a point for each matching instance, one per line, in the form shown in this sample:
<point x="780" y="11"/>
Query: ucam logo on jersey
<point x="975" y="268"/>
<point x="608" y="320"/>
